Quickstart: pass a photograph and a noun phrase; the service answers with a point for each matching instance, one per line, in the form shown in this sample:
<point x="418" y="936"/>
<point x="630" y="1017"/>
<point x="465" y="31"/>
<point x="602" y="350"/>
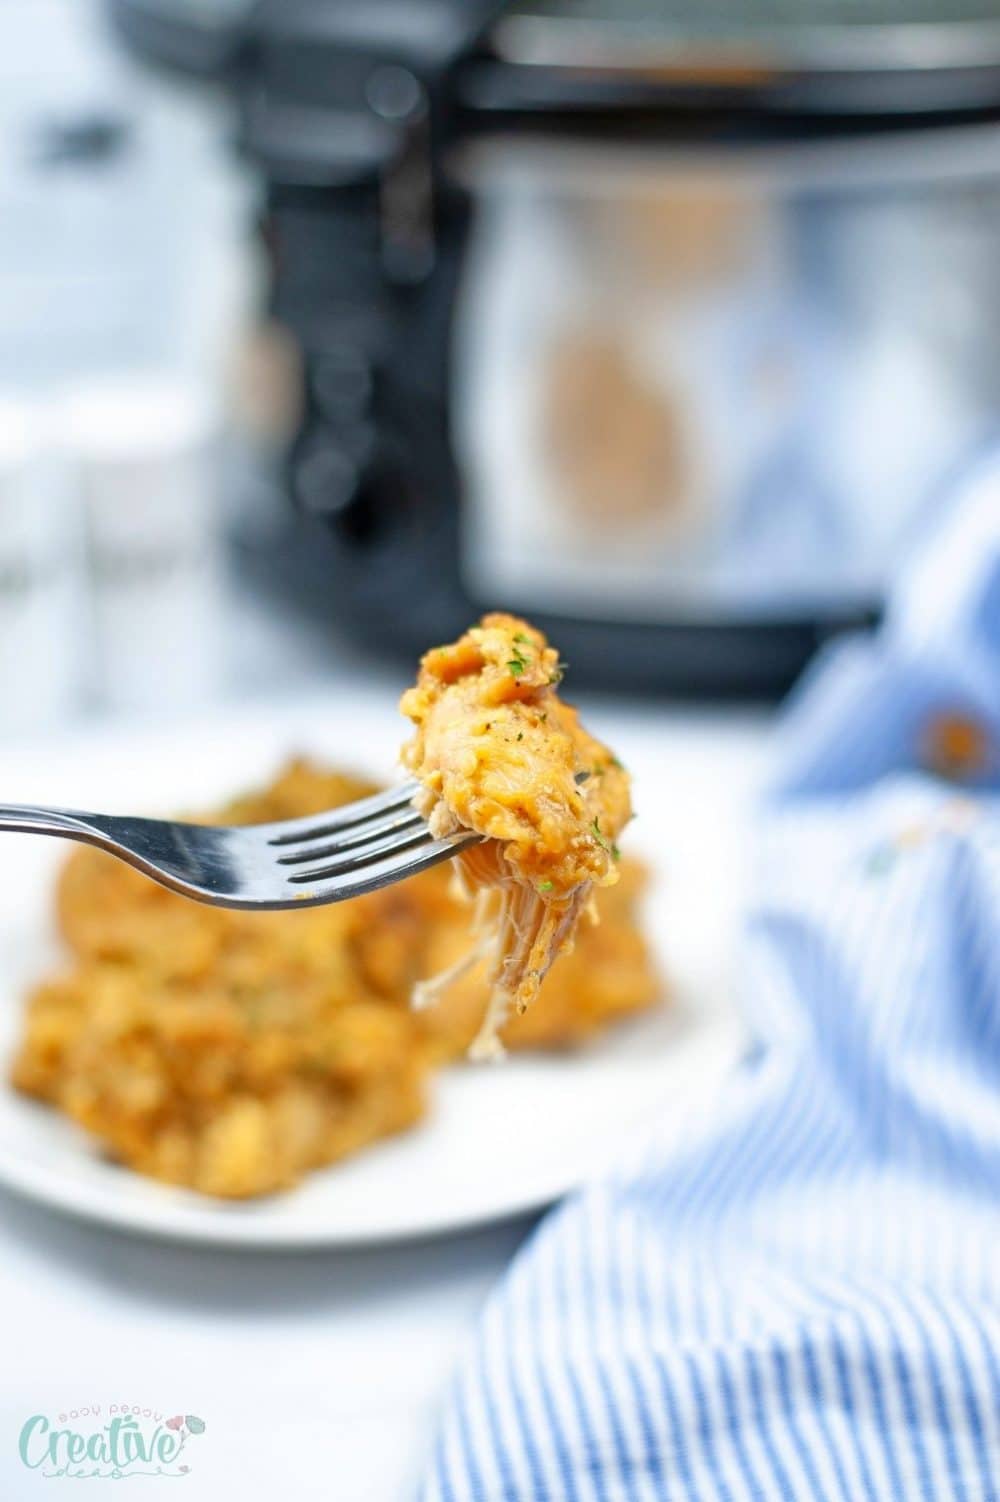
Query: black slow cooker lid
<point x="787" y="57"/>
<point x="664" y="66"/>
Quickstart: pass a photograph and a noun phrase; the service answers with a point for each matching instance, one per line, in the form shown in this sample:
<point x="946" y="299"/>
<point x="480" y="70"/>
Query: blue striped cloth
<point x="801" y="1299"/>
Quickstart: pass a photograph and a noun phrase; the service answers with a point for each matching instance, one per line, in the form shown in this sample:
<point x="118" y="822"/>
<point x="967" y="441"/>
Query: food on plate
<point x="497" y="751"/>
<point x="234" y="1052"/>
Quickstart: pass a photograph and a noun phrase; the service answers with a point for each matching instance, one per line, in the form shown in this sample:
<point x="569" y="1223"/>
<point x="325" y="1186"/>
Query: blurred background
<point x="325" y="327"/>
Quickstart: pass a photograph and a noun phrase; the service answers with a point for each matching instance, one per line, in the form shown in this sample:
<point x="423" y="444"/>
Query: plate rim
<point x="719" y="1034"/>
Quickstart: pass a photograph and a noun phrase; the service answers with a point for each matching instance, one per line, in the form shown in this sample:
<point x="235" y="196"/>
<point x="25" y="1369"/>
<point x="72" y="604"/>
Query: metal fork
<point x="296" y="863"/>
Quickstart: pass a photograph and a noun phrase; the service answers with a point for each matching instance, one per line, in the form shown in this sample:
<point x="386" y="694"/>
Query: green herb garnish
<point x="519" y="661"/>
<point x="545" y="886"/>
<point x="604" y="843"/>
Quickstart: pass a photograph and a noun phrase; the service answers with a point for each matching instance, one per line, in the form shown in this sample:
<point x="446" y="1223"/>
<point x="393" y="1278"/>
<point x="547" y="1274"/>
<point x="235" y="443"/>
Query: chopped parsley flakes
<point x="604" y="843"/>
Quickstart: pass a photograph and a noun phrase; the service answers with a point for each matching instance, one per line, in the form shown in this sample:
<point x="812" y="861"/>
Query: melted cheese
<point x="497" y="751"/>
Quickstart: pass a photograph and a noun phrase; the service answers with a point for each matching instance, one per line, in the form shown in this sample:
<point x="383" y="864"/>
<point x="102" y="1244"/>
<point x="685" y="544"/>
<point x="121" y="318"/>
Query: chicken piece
<point x="498" y="752"/>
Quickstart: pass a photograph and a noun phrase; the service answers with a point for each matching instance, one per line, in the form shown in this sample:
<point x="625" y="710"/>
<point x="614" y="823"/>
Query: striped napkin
<point x="802" y="1298"/>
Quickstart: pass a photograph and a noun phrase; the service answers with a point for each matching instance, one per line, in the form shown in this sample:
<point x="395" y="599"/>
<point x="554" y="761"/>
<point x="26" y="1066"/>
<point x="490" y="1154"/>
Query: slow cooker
<point x="669" y="324"/>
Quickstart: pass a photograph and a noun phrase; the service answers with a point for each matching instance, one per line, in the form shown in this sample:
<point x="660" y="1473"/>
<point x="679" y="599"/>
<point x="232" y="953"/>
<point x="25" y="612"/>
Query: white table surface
<point x="319" y="1375"/>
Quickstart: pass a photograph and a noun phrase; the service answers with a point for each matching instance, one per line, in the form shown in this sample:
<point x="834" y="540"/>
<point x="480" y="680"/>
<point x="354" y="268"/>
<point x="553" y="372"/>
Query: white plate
<point x="498" y="1141"/>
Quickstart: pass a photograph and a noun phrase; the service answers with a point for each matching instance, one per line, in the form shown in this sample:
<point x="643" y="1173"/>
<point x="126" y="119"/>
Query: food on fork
<point x="497" y="751"/>
<point x="234" y="1052"/>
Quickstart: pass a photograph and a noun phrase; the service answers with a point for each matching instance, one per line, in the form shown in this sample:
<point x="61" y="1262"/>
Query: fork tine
<point x="317" y="826"/>
<point x="359" y="856"/>
<point x="355" y="836"/>
<point x="354" y="881"/>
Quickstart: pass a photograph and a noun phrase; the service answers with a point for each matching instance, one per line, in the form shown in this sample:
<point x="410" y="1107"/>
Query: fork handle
<point x="30" y="818"/>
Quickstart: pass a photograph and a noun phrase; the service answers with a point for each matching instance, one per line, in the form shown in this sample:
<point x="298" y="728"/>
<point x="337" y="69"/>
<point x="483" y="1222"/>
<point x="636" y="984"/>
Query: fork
<point x="295" y="863"/>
